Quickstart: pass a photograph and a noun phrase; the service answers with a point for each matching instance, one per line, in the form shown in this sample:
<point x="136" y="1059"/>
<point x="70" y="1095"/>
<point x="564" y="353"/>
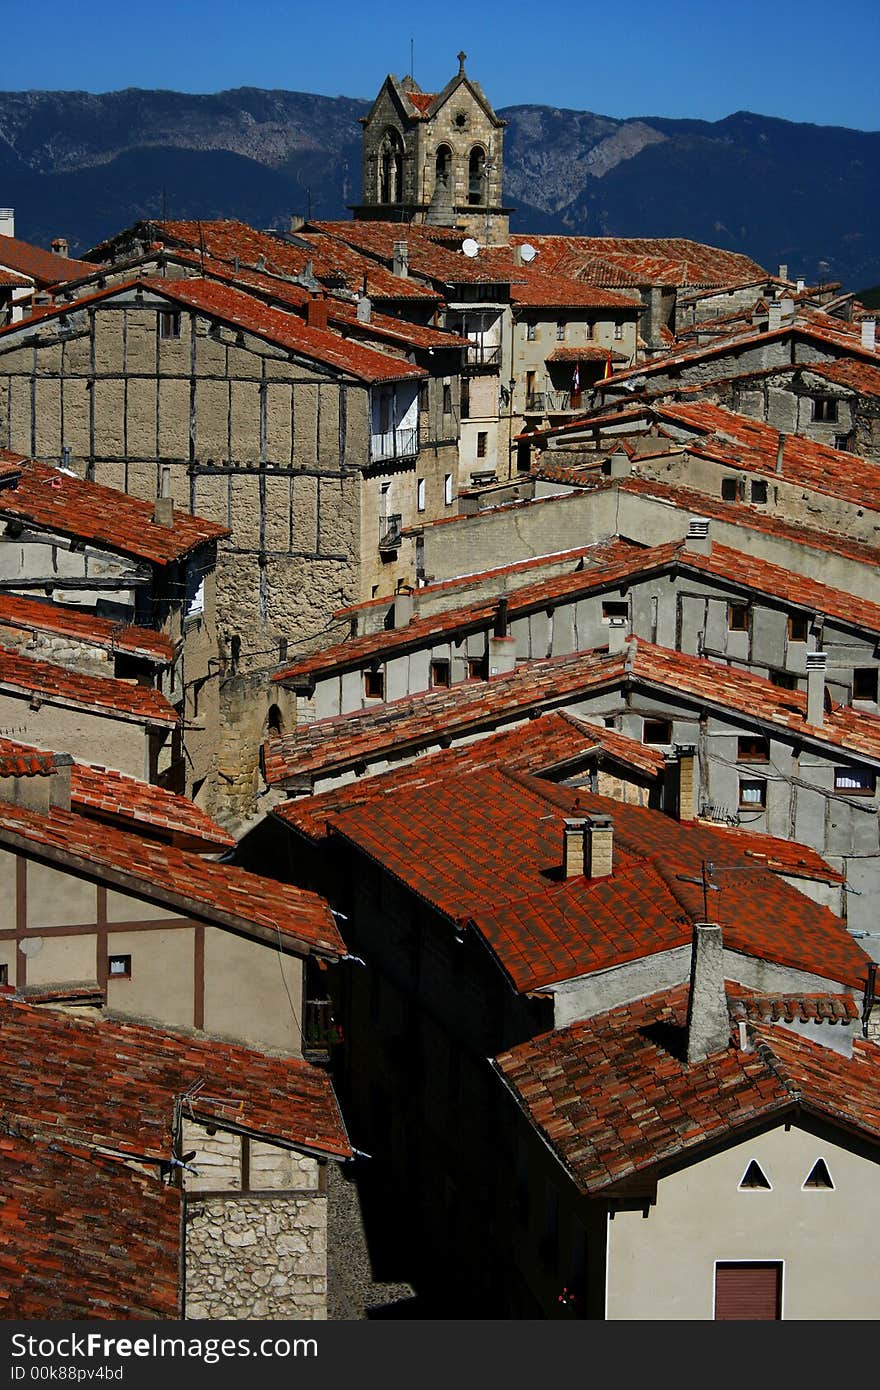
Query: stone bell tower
<point x="435" y="158"/>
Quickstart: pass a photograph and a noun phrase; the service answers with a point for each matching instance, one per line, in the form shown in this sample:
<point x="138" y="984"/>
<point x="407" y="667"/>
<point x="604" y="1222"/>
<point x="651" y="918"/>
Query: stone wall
<point x="256" y="1257"/>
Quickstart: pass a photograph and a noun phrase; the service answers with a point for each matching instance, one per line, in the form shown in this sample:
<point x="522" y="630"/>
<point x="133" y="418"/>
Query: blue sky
<point x="798" y="59"/>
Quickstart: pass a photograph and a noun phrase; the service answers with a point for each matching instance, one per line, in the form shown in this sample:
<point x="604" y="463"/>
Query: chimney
<point x="59" y="246"/>
<point x="502" y="655"/>
<point x="620" y="464"/>
<point x="801" y="286"/>
<point x="816" y="663"/>
<point x="7" y="221"/>
<point x="780" y="450"/>
<point x="501" y="617"/>
<point x="786" y="308"/>
<point x="617" y="635"/>
<point x="517" y="255"/>
<point x="316" y="311"/>
<point x="403" y="608"/>
<point x="774" y="315"/>
<point x="783" y="272"/>
<point x="708" y="1020"/>
<point x="697" y="539"/>
<point x="869" y="335"/>
<point x="163" y="508"/>
<point x="45" y="790"/>
<point x="364" y="309"/>
<point x="400" y="262"/>
<point x="598" y="847"/>
<point x="573" y="848"/>
<point x="681" y="772"/>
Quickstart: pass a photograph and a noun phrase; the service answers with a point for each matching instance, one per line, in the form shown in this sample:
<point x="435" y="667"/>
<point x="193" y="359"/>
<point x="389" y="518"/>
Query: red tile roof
<point x="589" y="353"/>
<point x="614" y="1101"/>
<point x="9" y="280"/>
<point x="38" y="615"/>
<point x="342" y="742"/>
<point x="19" y="760"/>
<point x="81" y="1233"/>
<point x="101" y="792"/>
<point x="274" y="325"/>
<point x="484" y="847"/>
<point x="792" y="1008"/>
<point x="782" y="856"/>
<point x="47" y="498"/>
<point x="43" y="267"/>
<point x="652" y="260"/>
<point x="623" y="563"/>
<point x="57" y="685"/>
<point x="859" y="376"/>
<point x="538" y="746"/>
<point x="221" y="893"/>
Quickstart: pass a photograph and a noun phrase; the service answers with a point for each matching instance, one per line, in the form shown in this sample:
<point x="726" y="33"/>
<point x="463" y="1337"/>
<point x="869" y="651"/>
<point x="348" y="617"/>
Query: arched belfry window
<point x="391" y="168"/>
<point x="477" y="176"/>
<point x="443" y="167"/>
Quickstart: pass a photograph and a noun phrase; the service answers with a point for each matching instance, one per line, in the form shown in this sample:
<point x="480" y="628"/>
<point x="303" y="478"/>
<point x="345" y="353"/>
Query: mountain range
<point x="83" y="166"/>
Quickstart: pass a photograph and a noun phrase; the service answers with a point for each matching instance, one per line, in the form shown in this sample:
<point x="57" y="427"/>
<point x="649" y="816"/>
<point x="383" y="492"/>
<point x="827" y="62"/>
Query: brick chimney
<point x="573" y="848"/>
<point x="869" y="335"/>
<point x="598" y="847"/>
<point x="774" y="315"/>
<point x="697" y="539"/>
<point x="400" y="260"/>
<point x="681" y="774"/>
<point x="59" y="245"/>
<point x="816" y="663"/>
<point x="708" y="1020"/>
<point x="316" y="311"/>
<point x="783" y="272"/>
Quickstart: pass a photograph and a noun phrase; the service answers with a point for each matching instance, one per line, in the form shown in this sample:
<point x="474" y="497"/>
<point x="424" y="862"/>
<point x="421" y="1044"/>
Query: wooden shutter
<point x="750" y="1292"/>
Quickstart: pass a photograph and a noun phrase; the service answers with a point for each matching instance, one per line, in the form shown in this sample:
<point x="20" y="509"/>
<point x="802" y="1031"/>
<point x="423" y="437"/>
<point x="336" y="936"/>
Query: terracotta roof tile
<point x="19" y="760"/>
<point x="37" y="615"/>
<point x="47" y="498"/>
<point x="101" y="792"/>
<point x="82" y="1234"/>
<point x="546" y="929"/>
<point x="58" y="685"/>
<point x="214" y="892"/>
<point x="43" y="267"/>
<point x="657" y="260"/>
<point x="614" y="1101"/>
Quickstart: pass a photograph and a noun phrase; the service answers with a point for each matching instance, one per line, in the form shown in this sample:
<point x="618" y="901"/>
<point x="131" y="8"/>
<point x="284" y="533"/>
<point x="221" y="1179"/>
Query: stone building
<point x="155" y="1174"/>
<point x="435" y="158"/>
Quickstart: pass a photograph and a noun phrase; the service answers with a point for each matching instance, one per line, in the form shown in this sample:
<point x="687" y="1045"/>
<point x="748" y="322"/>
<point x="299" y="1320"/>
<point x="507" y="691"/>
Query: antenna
<point x="528" y="252"/>
<point x="470" y="247"/>
<point x="412" y="66"/>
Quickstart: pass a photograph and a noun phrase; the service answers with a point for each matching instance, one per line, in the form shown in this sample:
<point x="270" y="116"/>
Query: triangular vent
<point x="819" y="1175"/>
<point x="754" y="1178"/>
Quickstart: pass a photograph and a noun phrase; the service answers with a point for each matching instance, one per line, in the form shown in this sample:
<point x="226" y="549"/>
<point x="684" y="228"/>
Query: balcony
<point x="394" y="444"/>
<point x="320" y="1031"/>
<point x="390" y="532"/>
<point x="552" y="402"/>
<point x="482" y="357"/>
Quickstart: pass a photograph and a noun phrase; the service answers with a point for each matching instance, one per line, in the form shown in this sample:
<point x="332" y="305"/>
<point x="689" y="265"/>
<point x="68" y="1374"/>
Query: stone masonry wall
<point x="256" y="1257"/>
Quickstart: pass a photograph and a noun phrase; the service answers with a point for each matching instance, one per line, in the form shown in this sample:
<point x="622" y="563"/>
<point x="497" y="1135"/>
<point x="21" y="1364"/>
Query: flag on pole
<point x="607" y="367"/>
<point x="576" y="380"/>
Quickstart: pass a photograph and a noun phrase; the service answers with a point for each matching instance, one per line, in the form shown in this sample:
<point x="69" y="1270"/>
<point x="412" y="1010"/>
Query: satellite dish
<point x="470" y="247"/>
<point x="528" y="252"/>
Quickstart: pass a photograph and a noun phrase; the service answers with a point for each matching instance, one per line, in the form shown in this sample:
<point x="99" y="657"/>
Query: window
<point x="754" y="1179"/>
<point x="447" y="400"/>
<point x="476" y="668"/>
<point x="615" y="608"/>
<point x="752" y="748"/>
<point x="738" y="617"/>
<point x="169" y="325"/>
<point x="482" y="443"/>
<point x="824" y="409"/>
<point x="748" y="1292"/>
<point x="759" y="491"/>
<point x="4" y="976"/>
<point x="618" y="332"/>
<point x="440" y="674"/>
<point x="798" y="625"/>
<point x="465" y="398"/>
<point x="785" y="680"/>
<point x="420" y="494"/>
<point x="119" y="967"/>
<point x="477" y="176"/>
<point x="447" y="490"/>
<point x="729" y="489"/>
<point x="819" y="1177"/>
<point x="657" y="731"/>
<point x="560" y="331"/>
<point x="374" y="685"/>
<point x="194" y="598"/>
<point x="752" y="796"/>
<point x="864" y="685"/>
<point x="282" y="648"/>
<point x="842" y="442"/>
<point x="390" y="167"/>
<point x="384" y="412"/>
<point x="855" y="781"/>
<point x="589" y="330"/>
<point x="531" y="332"/>
<point x="423" y="396"/>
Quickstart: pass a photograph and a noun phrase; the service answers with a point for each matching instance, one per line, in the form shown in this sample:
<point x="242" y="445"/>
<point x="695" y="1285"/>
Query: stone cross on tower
<point x="461" y="57"/>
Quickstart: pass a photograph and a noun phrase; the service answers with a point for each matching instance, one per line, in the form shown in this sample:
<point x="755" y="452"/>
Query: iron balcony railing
<point x="482" y="357"/>
<point x="394" y="444"/>
<point x="550" y="402"/>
